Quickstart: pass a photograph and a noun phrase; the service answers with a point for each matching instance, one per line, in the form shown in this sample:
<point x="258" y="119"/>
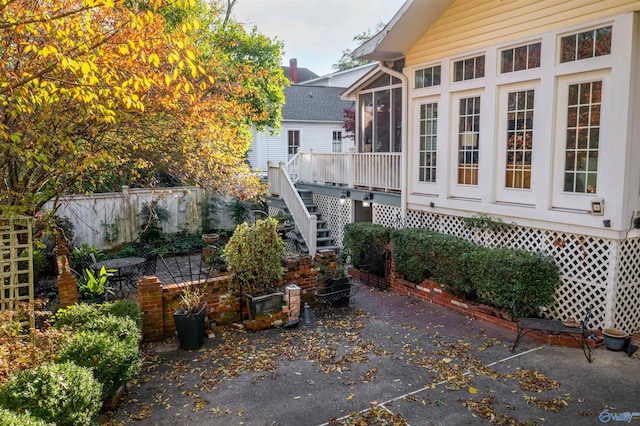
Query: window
<point x="337" y="141"/>
<point x="519" y="139"/>
<point x="468" y="139"/>
<point x="588" y="44"/>
<point x="428" y="77"/>
<point x="468" y="69"/>
<point x="380" y="117"/>
<point x="293" y="137"/>
<point x="583" y="137"/>
<point x="520" y="58"/>
<point x="428" y="142"/>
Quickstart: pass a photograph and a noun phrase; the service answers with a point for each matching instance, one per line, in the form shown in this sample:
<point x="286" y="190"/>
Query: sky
<point x="315" y="32"/>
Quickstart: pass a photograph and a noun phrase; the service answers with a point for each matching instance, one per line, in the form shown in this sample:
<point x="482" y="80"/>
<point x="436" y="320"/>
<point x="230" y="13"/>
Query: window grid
<point x="428" y="142"/>
<point x="521" y="58"/>
<point x="583" y="137"/>
<point x="587" y="44"/>
<point x="468" y="69"/>
<point x="337" y="141"/>
<point x="519" y="139"/>
<point x="428" y="77"/>
<point x="468" y="141"/>
<point x="293" y="137"/>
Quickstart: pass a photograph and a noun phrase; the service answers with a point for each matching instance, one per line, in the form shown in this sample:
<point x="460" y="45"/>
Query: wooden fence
<point x="109" y="219"/>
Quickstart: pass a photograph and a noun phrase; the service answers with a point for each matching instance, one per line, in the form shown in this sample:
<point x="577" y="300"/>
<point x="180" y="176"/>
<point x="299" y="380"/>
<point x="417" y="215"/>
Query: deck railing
<point x="379" y="171"/>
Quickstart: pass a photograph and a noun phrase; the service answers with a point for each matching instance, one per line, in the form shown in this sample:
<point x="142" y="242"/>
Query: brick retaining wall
<point x="158" y="302"/>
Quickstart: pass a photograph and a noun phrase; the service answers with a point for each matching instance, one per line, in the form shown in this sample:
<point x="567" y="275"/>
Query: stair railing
<point x="306" y="222"/>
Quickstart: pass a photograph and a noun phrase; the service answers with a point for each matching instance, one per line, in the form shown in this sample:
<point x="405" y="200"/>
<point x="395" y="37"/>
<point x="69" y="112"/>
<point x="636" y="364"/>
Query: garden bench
<point x="549" y="326"/>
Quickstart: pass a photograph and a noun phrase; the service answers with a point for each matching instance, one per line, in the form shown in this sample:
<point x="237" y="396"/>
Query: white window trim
<point x="485" y="146"/>
<point x="570" y="200"/>
<point x="503" y="193"/>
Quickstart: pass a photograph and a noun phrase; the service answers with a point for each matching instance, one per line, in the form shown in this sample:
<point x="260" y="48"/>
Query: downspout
<point x="404" y="136"/>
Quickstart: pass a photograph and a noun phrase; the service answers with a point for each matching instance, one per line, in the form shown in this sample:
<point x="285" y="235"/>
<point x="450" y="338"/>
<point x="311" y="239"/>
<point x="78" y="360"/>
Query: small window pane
<point x="534" y="55"/>
<point x="603" y="41"/>
<point x="436" y="75"/>
<point x="507" y="61"/>
<point x="419" y="79"/>
<point x="568" y="49"/>
<point x="479" y="67"/>
<point x="520" y="59"/>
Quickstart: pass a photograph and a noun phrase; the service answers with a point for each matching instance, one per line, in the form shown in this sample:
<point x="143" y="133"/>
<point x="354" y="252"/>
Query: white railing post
<point x="351" y="167"/>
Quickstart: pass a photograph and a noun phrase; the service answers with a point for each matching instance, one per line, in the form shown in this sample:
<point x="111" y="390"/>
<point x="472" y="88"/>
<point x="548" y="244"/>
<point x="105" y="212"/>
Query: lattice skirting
<point x="597" y="272"/>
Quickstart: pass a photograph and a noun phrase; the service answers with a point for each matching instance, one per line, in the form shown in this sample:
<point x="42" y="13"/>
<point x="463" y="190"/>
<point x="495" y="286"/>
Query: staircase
<point x="324" y="239"/>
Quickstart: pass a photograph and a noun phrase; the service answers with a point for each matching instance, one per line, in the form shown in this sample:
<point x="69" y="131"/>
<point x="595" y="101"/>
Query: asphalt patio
<point x="405" y="360"/>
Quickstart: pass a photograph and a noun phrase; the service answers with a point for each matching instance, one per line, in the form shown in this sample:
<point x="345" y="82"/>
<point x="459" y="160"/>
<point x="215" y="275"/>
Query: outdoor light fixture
<point x="597" y="207"/>
<point x="366" y="201"/>
<point x="344" y="196"/>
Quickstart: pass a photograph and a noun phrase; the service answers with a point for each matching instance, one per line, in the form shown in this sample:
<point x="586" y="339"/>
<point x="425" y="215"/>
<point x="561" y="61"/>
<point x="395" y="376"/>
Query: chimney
<point x="293" y="69"/>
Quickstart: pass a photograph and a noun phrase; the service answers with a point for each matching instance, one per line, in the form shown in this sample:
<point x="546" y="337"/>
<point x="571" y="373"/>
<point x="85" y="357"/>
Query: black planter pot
<point x="190" y="328"/>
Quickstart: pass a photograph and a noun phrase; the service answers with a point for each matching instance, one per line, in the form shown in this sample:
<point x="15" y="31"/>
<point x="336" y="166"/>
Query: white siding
<point x="545" y="205"/>
<point x="317" y="136"/>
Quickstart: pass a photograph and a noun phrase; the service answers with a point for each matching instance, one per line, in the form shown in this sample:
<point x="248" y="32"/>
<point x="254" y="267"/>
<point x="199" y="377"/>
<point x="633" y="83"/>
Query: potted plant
<point x="333" y="279"/>
<point x="253" y="260"/>
<point x="92" y="288"/>
<point x="189" y="318"/>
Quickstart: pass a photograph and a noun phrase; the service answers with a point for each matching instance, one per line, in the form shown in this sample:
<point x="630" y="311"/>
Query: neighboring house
<point x="312" y="117"/>
<point x="298" y="75"/>
<point x="342" y="78"/>
<point x="522" y="111"/>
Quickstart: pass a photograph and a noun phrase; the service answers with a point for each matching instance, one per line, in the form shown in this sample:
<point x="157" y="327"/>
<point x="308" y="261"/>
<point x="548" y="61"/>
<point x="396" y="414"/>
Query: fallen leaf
<point x="473" y="390"/>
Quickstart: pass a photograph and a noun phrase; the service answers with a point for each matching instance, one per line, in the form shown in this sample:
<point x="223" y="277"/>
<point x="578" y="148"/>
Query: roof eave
<point x="402" y="31"/>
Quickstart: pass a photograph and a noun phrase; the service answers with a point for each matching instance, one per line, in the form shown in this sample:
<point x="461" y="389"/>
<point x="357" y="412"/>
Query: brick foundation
<point x="432" y="292"/>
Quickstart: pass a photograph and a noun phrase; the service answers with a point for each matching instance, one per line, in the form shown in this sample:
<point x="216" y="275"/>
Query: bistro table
<point x="127" y="270"/>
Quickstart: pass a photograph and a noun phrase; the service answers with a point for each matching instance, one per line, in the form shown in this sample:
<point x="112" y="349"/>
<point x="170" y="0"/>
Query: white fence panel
<point x="109" y="219"/>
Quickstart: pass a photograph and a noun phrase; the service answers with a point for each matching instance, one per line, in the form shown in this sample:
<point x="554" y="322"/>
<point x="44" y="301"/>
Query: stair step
<point x="324" y="239"/>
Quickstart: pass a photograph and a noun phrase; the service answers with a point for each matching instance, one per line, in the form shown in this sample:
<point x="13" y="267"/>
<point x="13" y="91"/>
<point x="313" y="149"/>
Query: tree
<point x="347" y="61"/>
<point x="98" y="89"/>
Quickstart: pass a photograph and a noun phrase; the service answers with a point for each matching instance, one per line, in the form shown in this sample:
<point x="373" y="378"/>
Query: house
<point x="313" y="117"/>
<point x="524" y="112"/>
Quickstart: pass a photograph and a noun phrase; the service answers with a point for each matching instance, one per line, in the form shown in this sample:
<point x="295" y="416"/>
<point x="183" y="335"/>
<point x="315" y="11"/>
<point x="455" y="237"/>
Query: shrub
<point x="122" y="328"/>
<point x="422" y="254"/>
<point x="447" y="267"/>
<point x="75" y="316"/>
<point x="64" y="393"/>
<point x="364" y="241"/>
<point x="502" y="276"/>
<point x="12" y="418"/>
<point x="412" y="253"/>
<point x="114" y="361"/>
<point x="123" y="309"/>
<point x="253" y="256"/>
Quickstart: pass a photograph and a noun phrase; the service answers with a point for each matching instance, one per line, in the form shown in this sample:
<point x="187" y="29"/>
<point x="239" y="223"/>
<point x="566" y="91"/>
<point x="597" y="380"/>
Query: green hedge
<point x="76" y="316"/>
<point x="497" y="277"/>
<point x="114" y="361"/>
<point x="364" y="242"/>
<point x="502" y="276"/>
<point x="64" y="394"/>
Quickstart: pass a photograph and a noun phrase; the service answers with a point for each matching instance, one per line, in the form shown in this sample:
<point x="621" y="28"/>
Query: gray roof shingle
<point x="317" y="103"/>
